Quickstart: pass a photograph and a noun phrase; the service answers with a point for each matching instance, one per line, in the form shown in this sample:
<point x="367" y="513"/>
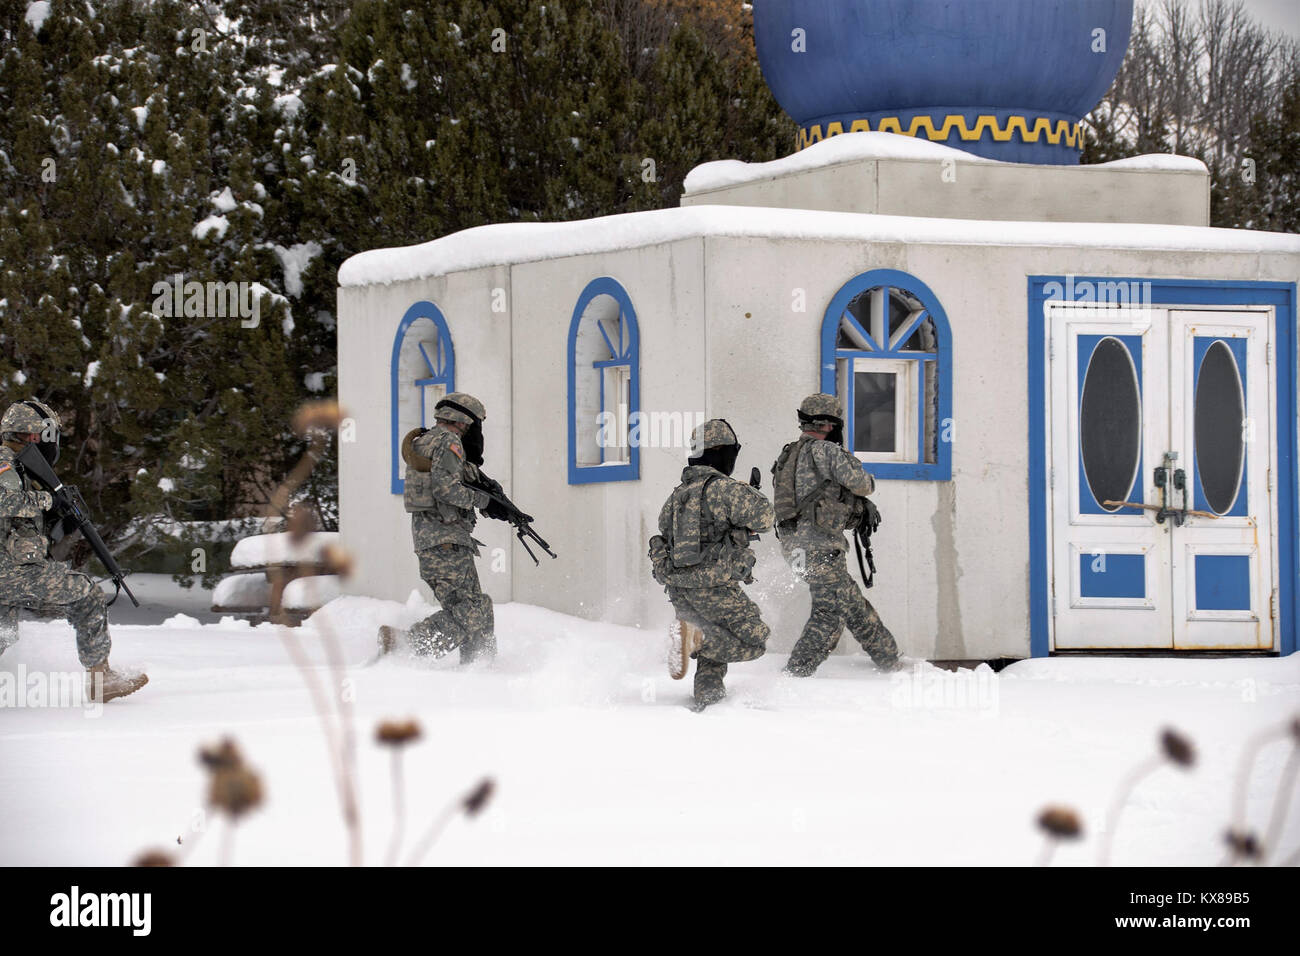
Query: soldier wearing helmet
<point x="701" y="555"/>
<point x="439" y="463"/>
<point x="820" y="491"/>
<point x="29" y="580"/>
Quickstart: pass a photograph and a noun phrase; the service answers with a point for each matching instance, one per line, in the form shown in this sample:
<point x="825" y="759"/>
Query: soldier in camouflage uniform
<point x="702" y="554"/>
<point x="440" y="461"/>
<point x="820" y="491"/>
<point x="28" y="578"/>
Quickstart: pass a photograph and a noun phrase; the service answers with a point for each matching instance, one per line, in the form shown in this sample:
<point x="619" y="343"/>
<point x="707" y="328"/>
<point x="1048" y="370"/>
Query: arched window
<point x="422" y="371"/>
<point x="604" y="371"/>
<point x="887" y="353"/>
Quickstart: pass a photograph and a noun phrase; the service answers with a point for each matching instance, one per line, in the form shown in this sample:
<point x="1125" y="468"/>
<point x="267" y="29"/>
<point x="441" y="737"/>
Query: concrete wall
<point x="720" y="336"/>
<point x="998" y="191"/>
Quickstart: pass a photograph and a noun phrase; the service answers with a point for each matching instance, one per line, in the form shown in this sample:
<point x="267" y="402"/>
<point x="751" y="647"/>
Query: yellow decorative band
<point x="1055" y="132"/>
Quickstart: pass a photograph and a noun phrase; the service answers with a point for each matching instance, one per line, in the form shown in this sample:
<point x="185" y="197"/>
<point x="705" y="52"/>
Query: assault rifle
<point x="507" y="510"/>
<point x="862" y="541"/>
<point x="69" y="504"/>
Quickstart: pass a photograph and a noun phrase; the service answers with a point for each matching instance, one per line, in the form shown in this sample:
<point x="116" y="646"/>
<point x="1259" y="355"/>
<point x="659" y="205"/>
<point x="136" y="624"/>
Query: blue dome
<point x="1007" y="79"/>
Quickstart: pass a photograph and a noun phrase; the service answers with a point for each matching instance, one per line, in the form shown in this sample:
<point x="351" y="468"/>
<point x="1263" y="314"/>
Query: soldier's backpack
<point x="788" y="507"/>
<point x="691" y="531"/>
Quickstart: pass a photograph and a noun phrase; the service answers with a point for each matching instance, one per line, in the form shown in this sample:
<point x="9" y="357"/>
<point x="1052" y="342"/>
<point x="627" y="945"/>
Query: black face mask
<point x="721" y="457"/>
<point x="836" y="434"/>
<point x="473" y="439"/>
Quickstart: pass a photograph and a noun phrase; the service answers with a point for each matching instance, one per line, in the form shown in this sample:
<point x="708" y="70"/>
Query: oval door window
<point x="1220" y="410"/>
<point x="1110" y="423"/>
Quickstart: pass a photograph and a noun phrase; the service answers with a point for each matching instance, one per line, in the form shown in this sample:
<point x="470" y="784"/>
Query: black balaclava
<point x="473" y="439"/>
<point x="721" y="457"/>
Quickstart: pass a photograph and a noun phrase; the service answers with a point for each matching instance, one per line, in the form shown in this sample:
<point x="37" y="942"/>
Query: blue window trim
<point x="442" y="371"/>
<point x="1172" y="293"/>
<point x="941" y="469"/>
<point x="626" y="352"/>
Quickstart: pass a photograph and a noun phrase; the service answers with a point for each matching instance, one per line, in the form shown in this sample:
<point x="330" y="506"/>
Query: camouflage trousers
<point x="52" y="589"/>
<point x="836" y="604"/>
<point x="465" y="619"/>
<point x="733" y="631"/>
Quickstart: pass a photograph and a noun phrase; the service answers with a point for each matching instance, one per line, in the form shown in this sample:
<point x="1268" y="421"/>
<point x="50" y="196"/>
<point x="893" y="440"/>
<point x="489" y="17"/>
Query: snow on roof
<point x="853" y="147"/>
<point x="516" y="242"/>
<point x="1169" y="162"/>
<point x="844" y="148"/>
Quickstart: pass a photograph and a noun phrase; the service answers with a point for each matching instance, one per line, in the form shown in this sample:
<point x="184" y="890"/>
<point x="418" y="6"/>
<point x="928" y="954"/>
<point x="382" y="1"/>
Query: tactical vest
<point x="693" y="533"/>
<point x="788" y="506"/>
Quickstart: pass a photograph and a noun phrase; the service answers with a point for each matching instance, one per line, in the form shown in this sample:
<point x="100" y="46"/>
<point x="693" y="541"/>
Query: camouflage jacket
<point x="828" y="480"/>
<point x="441" y="504"/>
<point x="22" y="521"/>
<point x="704" y="530"/>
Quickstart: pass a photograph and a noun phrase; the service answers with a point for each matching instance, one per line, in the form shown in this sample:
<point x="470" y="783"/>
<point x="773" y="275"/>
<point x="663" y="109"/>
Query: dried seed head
<point x="337" y="560"/>
<point x="153" y="858"/>
<point x="1243" y="843"/>
<point x="236" y="790"/>
<point x="301" y="522"/>
<point x="323" y="414"/>
<point x="479" y="797"/>
<point x="1177" y="748"/>
<point x="397" y="733"/>
<point x="222" y="756"/>
<point x="1060" y="822"/>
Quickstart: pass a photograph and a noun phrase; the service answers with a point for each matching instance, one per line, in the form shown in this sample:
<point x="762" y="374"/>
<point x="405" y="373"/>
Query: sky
<point x="1277" y="14"/>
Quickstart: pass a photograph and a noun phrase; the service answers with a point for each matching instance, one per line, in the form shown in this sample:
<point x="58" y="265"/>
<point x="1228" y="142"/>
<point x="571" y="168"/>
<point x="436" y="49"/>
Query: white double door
<point x="1166" y="409"/>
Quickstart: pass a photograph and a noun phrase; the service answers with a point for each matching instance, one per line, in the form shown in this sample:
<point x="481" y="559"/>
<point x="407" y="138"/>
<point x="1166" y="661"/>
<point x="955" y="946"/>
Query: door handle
<point x="1161" y="481"/>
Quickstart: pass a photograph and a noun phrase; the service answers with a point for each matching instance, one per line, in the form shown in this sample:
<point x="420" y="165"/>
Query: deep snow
<point x="597" y="761"/>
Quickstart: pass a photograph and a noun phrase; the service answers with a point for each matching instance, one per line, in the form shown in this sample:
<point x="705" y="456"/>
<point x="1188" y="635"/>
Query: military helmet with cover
<point x="460" y="407"/>
<point x="821" y="407"/>
<point x="34" y="417"/>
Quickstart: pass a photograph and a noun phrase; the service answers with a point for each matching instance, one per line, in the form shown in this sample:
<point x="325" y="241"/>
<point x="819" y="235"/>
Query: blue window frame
<point x="886" y="351"/>
<point x="422" y="370"/>
<point x="604" y="385"/>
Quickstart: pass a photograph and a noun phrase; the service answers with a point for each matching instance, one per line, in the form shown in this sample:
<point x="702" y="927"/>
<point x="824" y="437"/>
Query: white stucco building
<point x="1049" y="346"/>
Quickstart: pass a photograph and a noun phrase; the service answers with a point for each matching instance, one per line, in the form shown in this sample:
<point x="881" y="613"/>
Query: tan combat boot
<point x="683" y="641"/>
<point x="104" y="684"/>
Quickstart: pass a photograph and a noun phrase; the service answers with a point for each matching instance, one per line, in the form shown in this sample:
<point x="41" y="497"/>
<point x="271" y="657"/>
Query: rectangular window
<point x="616" y="392"/>
<point x="885" y="411"/>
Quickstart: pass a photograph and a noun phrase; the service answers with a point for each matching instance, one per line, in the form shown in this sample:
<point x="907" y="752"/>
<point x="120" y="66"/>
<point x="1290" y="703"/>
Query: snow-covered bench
<point x="265" y="566"/>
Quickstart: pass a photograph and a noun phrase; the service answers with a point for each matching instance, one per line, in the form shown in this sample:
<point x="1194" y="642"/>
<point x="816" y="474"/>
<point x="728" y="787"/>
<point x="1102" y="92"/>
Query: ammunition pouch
<point x="660" y="566"/>
<point x="418" y="495"/>
<point x="833" y="514"/>
<point x="742" y="560"/>
<point x="25" y="549"/>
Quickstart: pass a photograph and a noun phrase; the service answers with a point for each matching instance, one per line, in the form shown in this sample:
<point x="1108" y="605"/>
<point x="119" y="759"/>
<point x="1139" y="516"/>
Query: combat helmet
<point x="821" y="407"/>
<point x="33" y="416"/>
<point x="460" y="407"/>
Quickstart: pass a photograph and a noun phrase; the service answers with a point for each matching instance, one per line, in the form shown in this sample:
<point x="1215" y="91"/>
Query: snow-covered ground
<point x="597" y="761"/>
